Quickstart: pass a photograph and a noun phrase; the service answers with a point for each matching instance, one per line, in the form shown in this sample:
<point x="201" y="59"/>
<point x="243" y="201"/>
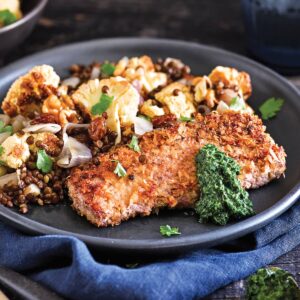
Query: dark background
<point x="212" y="22"/>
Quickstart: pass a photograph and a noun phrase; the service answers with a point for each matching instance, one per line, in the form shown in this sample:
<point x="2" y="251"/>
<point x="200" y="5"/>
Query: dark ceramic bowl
<point x="13" y="35"/>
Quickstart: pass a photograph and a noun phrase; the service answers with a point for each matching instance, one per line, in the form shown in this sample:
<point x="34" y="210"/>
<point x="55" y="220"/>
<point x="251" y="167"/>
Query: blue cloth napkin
<point x="192" y="275"/>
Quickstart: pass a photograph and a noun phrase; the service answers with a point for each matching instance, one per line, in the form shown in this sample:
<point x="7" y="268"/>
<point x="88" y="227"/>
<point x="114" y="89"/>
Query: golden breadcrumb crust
<point x="163" y="174"/>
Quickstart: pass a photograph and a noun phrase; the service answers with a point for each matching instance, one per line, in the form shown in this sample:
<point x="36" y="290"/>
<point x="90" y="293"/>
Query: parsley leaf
<point x="237" y="104"/>
<point x="7" y="17"/>
<point x="108" y="69"/>
<point x="1" y="150"/>
<point x="270" y="108"/>
<point x="167" y="230"/>
<point x="134" y="144"/>
<point x="103" y="104"/>
<point x="119" y="170"/>
<point x="7" y="128"/>
<point x="44" y="161"/>
<point x="186" y="119"/>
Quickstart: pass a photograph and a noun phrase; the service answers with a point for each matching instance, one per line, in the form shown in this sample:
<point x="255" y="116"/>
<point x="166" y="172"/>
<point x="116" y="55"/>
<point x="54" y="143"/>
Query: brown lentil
<point x="105" y="89"/>
<point x="38" y="144"/>
<point x="40" y="201"/>
<point x="96" y="161"/>
<point x="47" y="190"/>
<point x="46" y="179"/>
<point x="131" y="177"/>
<point x="20" y="133"/>
<point x="40" y="184"/>
<point x="176" y="92"/>
<point x="142" y="159"/>
<point x="105" y="148"/>
<point x="23" y="209"/>
<point x="50" y="185"/>
<point x="31" y="165"/>
<point x="30" y="140"/>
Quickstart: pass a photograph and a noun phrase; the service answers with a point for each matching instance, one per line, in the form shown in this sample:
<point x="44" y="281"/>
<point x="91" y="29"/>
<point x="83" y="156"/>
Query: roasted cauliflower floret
<point x="241" y="106"/>
<point x="16" y="148"/>
<point x="124" y="107"/>
<point x="201" y="86"/>
<point x="15" y="151"/>
<point x="126" y="66"/>
<point x="204" y="92"/>
<point x="224" y="77"/>
<point x="27" y="93"/>
<point x="141" y="72"/>
<point x="223" y="84"/>
<point x="61" y="107"/>
<point x="47" y="141"/>
<point x="178" y="99"/>
<point x="87" y="95"/>
<point x="151" y="110"/>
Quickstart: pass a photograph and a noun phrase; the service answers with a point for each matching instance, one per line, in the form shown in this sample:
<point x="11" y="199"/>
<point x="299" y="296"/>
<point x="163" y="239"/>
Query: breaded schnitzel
<point x="163" y="174"/>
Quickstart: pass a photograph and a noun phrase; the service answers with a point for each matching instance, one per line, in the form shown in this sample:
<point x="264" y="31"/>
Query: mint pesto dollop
<point x="222" y="197"/>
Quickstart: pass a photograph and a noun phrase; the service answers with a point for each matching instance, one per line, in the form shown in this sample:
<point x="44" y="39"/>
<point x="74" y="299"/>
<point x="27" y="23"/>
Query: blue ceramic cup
<point x="273" y="32"/>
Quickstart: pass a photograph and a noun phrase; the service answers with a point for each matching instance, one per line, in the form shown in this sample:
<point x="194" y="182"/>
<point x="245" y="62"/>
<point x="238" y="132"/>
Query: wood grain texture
<point x="213" y="22"/>
<point x="289" y="262"/>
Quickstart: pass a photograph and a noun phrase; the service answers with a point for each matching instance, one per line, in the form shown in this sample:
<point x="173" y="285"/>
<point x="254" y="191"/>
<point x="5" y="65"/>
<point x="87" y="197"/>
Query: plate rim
<point x="180" y="243"/>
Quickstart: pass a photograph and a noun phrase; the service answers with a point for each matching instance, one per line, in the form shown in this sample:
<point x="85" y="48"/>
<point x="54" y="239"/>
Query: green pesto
<point x="222" y="197"/>
<point x="272" y="284"/>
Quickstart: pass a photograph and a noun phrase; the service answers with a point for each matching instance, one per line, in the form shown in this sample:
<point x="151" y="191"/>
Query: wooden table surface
<point x="213" y="22"/>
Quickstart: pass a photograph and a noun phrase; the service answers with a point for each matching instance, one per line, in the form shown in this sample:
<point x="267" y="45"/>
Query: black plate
<point x="142" y="234"/>
<point x="17" y="286"/>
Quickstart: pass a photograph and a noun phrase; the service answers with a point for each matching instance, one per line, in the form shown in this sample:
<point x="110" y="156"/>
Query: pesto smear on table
<point x="272" y="284"/>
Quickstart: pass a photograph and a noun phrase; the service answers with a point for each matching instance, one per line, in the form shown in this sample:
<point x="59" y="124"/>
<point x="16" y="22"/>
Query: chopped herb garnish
<point x="167" y="230"/>
<point x="119" y="170"/>
<point x="103" y="104"/>
<point x="7" y="17"/>
<point x="108" y="69"/>
<point x="272" y="284"/>
<point x="7" y="128"/>
<point x="237" y="104"/>
<point x="270" y="108"/>
<point x="1" y="150"/>
<point x="134" y="144"/>
<point x="222" y="197"/>
<point x="186" y="119"/>
<point x="44" y="161"/>
<point x="145" y="117"/>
